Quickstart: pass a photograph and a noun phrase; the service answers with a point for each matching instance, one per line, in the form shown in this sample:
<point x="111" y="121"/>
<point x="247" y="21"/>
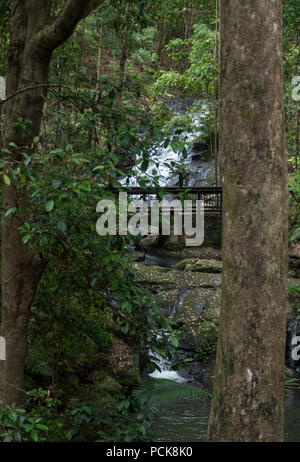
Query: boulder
<point x="150" y="241"/>
<point x="202" y="266"/>
<point x="136" y="255"/>
<point x="294" y="251"/>
<point x="198" y="321"/>
<point x="158" y="278"/>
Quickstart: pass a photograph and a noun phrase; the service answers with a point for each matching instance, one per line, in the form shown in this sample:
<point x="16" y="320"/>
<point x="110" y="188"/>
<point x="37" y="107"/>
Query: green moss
<point x="105" y="383"/>
<point x="200" y="337"/>
<point x="157" y="278"/>
<point x="202" y="266"/>
<point x="213" y="308"/>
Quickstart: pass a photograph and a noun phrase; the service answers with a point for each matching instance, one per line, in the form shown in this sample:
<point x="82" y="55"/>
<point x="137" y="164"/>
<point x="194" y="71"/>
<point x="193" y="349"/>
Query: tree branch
<point x="62" y="27"/>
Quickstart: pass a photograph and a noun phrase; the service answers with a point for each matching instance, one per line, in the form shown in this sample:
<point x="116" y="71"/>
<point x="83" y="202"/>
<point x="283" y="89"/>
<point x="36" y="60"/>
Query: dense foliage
<point x="89" y="301"/>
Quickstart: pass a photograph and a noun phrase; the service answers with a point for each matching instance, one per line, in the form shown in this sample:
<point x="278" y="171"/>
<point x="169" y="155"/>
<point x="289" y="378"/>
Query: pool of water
<point x="187" y="421"/>
<point x="181" y="422"/>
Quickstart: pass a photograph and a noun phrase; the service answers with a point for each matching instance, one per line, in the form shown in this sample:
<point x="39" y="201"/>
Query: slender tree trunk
<point x="99" y="63"/>
<point x="297" y="139"/>
<point x="160" y="28"/>
<point x="248" y="391"/>
<point x="124" y="56"/>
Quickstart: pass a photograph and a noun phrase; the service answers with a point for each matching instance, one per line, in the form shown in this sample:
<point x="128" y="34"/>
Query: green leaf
<point x="35" y="436"/>
<point x="49" y="206"/>
<point x="56" y="183"/>
<point x="6" y="180"/>
<point x="42" y="427"/>
<point x="85" y="187"/>
<point x="154" y="391"/>
<point x="11" y="211"/>
<point x="26" y="238"/>
<point x="18" y="437"/>
<point x="8" y="439"/>
<point x="87" y="410"/>
<point x="174" y="342"/>
<point x="62" y="226"/>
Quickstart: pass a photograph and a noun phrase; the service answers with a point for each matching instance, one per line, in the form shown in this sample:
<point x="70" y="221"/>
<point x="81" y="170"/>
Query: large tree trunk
<point x="20" y="269"/>
<point x="34" y="34"/>
<point x="248" y="392"/>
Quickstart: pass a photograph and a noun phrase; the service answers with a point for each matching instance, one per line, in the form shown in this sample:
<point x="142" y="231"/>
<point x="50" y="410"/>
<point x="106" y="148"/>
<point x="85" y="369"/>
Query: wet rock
<point x="198" y="319"/>
<point x="199" y="146"/>
<point x="193" y="304"/>
<point x="200" y="373"/>
<point x="200" y="253"/>
<point x="173" y="244"/>
<point x="166" y="301"/>
<point x="158" y="277"/>
<point x="200" y="337"/>
<point x="202" y="266"/>
<point x="213" y="308"/>
<point x="150" y="241"/>
<point x="295" y="250"/>
<point x="136" y="255"/>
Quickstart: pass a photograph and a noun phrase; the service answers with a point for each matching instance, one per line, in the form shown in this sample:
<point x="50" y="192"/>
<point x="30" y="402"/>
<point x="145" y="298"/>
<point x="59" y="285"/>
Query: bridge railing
<point x="211" y="195"/>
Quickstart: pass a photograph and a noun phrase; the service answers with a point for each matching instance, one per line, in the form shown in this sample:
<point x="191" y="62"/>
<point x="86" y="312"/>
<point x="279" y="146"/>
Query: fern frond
<point x="291" y="380"/>
<point x="38" y="362"/>
<point x="154" y="391"/>
<point x="295" y="235"/>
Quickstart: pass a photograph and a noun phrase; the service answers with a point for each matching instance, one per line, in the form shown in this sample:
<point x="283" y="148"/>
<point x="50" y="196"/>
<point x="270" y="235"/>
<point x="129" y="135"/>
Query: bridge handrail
<point x="132" y="190"/>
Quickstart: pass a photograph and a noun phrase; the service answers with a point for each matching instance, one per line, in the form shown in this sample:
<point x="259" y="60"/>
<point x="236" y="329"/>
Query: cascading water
<point x="166" y="371"/>
<point x="163" y="158"/>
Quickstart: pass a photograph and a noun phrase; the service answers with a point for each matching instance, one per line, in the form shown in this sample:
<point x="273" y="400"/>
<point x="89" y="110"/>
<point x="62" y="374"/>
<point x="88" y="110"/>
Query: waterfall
<point x="166" y="372"/>
<point x="163" y="158"/>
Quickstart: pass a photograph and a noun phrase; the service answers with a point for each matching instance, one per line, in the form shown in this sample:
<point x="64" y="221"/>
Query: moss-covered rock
<point x="151" y="241"/>
<point x="166" y="301"/>
<point x="193" y="304"/>
<point x="201" y="253"/>
<point x="158" y="277"/>
<point x="105" y="383"/>
<point x="198" y="319"/>
<point x="102" y="389"/>
<point x="202" y="266"/>
<point x="213" y="308"/>
<point x="191" y="300"/>
<point x="123" y="365"/>
<point x="201" y="338"/>
<point x="136" y="255"/>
